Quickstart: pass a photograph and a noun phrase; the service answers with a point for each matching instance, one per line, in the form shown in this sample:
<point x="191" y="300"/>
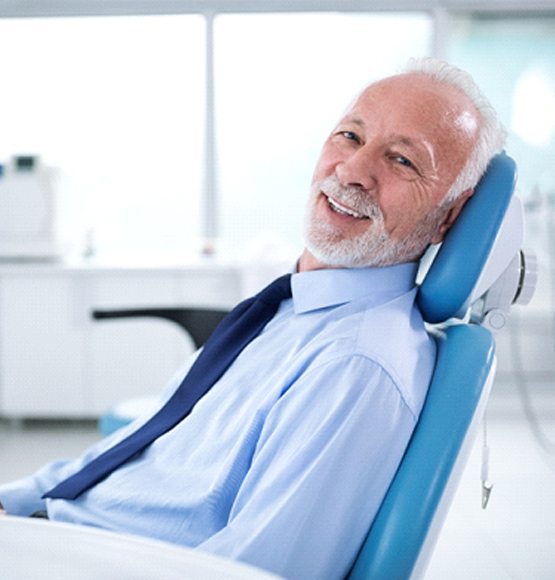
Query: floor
<point x="513" y="539"/>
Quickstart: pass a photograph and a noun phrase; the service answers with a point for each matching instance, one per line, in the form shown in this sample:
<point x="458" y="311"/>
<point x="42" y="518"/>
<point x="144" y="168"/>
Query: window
<point x="117" y="104"/>
<point x="513" y="61"/>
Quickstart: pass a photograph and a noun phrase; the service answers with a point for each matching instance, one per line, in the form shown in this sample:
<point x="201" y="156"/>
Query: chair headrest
<point x="477" y="249"/>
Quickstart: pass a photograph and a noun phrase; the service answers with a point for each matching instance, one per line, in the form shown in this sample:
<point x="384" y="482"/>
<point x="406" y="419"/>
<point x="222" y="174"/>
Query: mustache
<point x="351" y="196"/>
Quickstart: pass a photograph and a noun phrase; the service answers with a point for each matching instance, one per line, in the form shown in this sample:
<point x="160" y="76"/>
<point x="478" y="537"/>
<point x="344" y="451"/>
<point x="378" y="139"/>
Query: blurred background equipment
<point x="28" y="210"/>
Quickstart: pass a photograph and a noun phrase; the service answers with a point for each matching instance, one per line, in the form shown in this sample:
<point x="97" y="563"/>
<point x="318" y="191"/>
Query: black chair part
<point x="199" y="323"/>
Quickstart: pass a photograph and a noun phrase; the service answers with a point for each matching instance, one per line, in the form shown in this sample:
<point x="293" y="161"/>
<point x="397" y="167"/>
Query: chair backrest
<point x="404" y="531"/>
<point x="456" y="269"/>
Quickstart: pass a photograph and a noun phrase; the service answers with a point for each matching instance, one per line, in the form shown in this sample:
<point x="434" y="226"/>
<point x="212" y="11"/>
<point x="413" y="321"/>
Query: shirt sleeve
<point x="326" y="456"/>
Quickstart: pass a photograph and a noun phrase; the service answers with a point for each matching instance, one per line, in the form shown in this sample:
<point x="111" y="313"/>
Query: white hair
<point x="492" y="135"/>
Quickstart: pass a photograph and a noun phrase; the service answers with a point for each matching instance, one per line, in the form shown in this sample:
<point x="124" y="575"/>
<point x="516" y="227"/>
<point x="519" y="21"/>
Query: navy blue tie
<point x="231" y="336"/>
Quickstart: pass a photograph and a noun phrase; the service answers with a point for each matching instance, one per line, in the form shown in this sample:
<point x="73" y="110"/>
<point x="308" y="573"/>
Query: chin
<point x="374" y="248"/>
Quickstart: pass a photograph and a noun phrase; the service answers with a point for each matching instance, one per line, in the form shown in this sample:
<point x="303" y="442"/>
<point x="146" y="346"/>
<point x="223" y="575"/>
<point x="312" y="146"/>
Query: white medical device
<point x="27" y="211"/>
<point x="510" y="275"/>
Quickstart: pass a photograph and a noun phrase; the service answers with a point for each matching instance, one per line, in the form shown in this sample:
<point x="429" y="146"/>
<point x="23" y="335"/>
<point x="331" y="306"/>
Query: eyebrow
<point x="355" y="121"/>
<point x="408" y="141"/>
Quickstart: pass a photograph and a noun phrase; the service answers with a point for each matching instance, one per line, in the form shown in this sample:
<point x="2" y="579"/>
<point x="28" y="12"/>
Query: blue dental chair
<point x="477" y="274"/>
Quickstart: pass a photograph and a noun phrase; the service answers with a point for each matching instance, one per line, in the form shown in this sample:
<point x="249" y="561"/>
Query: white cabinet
<point x="42" y="349"/>
<point x="55" y="361"/>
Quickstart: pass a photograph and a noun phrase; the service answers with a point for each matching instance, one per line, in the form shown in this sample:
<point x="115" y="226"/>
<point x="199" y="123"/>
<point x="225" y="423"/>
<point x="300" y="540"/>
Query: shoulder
<point x="360" y="343"/>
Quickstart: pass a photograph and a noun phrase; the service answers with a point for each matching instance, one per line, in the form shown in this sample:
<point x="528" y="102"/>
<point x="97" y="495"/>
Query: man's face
<point x="384" y="171"/>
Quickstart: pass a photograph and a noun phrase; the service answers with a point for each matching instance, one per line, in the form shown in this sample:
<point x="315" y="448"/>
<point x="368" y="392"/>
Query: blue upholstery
<point x="112" y="421"/>
<point x="445" y="291"/>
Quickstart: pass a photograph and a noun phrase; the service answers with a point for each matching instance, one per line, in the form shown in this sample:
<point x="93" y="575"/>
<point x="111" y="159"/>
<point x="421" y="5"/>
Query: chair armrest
<point x="199" y="323"/>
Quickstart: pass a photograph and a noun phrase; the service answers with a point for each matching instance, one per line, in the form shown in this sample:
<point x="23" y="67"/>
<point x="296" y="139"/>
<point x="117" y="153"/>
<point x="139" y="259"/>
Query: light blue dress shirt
<point x="284" y="463"/>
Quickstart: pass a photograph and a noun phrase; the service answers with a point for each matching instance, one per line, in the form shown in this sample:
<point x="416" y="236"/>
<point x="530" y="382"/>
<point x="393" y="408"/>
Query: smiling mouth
<point x="336" y="207"/>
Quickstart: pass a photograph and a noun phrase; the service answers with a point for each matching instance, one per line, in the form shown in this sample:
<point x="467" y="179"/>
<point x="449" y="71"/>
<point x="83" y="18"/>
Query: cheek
<point x="321" y="171"/>
<point x="405" y="207"/>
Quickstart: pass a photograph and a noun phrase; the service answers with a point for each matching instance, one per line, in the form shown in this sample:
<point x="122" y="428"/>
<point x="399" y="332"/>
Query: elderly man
<point x="284" y="461"/>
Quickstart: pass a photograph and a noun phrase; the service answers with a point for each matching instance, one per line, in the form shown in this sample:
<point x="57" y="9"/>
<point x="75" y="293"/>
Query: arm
<point x="327" y="453"/>
<point x="24" y="496"/>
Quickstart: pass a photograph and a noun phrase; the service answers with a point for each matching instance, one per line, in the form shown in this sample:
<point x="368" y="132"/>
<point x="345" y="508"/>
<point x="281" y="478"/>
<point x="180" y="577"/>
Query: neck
<point x="308" y="262"/>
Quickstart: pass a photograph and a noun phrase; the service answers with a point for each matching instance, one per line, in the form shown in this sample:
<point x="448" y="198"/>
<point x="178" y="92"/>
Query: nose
<point x="357" y="170"/>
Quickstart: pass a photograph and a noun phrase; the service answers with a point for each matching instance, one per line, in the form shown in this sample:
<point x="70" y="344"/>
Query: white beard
<point x="374" y="247"/>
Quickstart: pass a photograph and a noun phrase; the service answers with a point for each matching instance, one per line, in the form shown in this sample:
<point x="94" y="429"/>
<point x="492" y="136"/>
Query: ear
<point x="452" y="214"/>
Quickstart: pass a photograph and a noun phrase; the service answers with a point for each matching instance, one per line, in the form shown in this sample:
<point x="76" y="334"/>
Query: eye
<point x="351" y="136"/>
<point x="404" y="161"/>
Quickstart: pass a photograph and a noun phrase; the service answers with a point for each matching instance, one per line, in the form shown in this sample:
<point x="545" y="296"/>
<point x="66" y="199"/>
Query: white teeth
<point x="341" y="209"/>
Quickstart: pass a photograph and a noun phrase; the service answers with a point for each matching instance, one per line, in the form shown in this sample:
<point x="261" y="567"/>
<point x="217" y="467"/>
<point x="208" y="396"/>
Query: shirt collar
<point x="330" y="287"/>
